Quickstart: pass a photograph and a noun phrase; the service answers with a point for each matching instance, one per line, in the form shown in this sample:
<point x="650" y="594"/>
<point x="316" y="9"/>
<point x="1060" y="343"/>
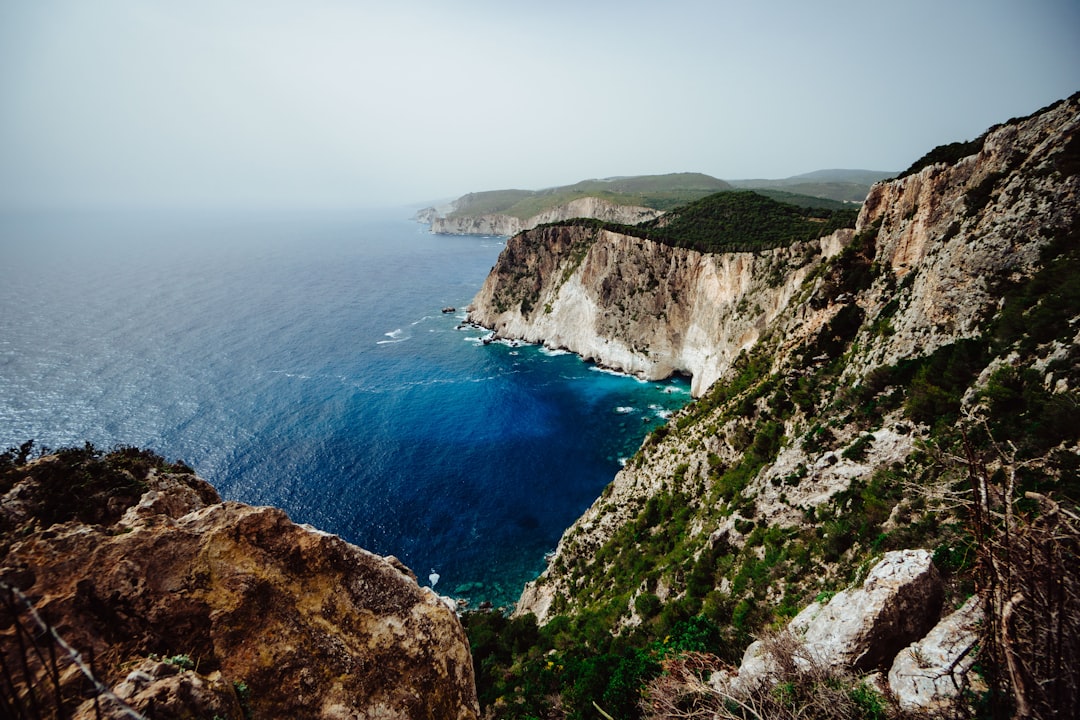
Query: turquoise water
<point x="303" y="361"/>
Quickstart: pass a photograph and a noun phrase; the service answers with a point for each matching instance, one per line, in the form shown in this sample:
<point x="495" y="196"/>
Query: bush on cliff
<point x="738" y="221"/>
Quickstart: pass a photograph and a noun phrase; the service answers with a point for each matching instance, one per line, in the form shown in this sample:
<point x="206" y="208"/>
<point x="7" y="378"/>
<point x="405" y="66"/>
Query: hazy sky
<point x="338" y="103"/>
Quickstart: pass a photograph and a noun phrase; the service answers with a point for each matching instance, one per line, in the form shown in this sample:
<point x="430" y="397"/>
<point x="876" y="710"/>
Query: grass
<point x="660" y="192"/>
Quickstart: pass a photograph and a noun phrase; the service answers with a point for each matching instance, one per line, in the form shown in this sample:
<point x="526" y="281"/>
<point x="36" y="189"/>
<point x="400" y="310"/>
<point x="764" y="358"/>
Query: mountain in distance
<point x="632" y="199"/>
<point x="850" y="186"/>
<point x="659" y="192"/>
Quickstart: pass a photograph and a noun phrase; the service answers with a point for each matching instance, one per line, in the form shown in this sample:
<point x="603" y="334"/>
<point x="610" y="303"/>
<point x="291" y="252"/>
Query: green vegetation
<point x="803" y="200"/>
<point x="521" y="668"/>
<point x="660" y="192"/>
<point x="87" y="475"/>
<point x="948" y="154"/>
<point x="736" y="221"/>
<point x="665" y="566"/>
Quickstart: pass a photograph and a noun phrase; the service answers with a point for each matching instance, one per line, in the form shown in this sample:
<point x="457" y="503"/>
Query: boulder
<point x="865" y="627"/>
<point x="860" y="629"/>
<point x="191" y="606"/>
<point x="928" y="675"/>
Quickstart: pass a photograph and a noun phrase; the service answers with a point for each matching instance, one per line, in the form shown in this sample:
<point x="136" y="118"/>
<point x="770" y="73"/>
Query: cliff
<point x="640" y="306"/>
<point x="935" y="251"/>
<point x="191" y="607"/>
<point x="898" y="386"/>
<point x="503" y="224"/>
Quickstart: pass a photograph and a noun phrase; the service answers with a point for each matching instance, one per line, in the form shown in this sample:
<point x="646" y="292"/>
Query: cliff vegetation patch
<point x="739" y="221"/>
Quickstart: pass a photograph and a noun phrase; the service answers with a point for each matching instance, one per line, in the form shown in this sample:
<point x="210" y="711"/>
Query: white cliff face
<point x="934" y="251"/>
<point x="500" y="224"/>
<point x="639" y="306"/>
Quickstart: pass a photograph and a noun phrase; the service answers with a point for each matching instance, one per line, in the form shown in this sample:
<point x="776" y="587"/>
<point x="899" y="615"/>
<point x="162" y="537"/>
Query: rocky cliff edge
<point x="502" y="224"/>
<point x="193" y="607"/>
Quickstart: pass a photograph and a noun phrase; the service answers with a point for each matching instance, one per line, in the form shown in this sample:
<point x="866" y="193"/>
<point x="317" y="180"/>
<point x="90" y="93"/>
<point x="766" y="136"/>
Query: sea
<point x="303" y="360"/>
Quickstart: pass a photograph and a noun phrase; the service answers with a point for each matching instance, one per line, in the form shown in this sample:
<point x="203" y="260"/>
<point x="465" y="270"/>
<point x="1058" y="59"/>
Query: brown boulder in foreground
<point x="193" y="607"/>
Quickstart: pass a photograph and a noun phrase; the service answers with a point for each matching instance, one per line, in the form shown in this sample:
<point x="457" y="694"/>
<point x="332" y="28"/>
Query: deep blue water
<point x="302" y="361"/>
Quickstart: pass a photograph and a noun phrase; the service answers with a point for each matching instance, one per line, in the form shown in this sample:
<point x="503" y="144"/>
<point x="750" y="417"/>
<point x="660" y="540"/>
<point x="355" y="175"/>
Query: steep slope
<point x="648" y="306"/>
<point x="926" y="269"/>
<point x="190" y="607"/>
<point x="848" y="401"/>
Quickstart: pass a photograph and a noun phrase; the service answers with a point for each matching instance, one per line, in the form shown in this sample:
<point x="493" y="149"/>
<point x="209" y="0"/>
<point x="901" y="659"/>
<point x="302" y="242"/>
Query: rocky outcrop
<point x="862" y="630"/>
<point x="928" y="675"/>
<point x="501" y="224"/>
<point x="640" y="306"/>
<point x="193" y="606"/>
<point x="926" y="267"/>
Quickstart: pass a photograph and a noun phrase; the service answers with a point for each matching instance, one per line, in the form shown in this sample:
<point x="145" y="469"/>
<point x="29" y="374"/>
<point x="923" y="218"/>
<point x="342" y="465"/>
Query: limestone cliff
<point x="502" y="224"/>
<point x="640" y="306"/>
<point x="828" y="328"/>
<point x="892" y="404"/>
<point x="192" y="607"/>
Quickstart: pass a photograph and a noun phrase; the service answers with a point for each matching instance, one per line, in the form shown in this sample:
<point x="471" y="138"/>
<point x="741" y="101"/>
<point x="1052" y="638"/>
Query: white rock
<point x="864" y="628"/>
<point x="927" y="675"/>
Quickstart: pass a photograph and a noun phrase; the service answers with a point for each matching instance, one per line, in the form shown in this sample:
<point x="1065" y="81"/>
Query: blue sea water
<point x="302" y="360"/>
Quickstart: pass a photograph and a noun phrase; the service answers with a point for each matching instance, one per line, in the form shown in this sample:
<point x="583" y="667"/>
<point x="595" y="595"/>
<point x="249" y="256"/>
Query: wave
<point x="395" y="336"/>
<point x="616" y="373"/>
<point x="553" y="352"/>
<point x="661" y="412"/>
<point x="624" y="410"/>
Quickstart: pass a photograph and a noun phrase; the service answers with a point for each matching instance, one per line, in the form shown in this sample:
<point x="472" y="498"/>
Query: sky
<point x="351" y="103"/>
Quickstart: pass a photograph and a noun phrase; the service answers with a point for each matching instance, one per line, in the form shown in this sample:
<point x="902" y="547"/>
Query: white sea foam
<point x="616" y="373"/>
<point x="553" y="352"/>
<point x="395" y="336"/>
<point x="624" y="410"/>
<point x="660" y="411"/>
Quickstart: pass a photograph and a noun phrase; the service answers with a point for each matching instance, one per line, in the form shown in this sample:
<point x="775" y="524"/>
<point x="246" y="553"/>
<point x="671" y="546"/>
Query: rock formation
<point x="847" y="391"/>
<point x="933" y="251"/>
<point x="927" y="675"/>
<point x="868" y="629"/>
<point x="502" y="224"/>
<point x="193" y="607"/>
<point x="640" y="306"/>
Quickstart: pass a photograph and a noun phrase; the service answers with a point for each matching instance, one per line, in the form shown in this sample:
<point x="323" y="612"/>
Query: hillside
<point x="632" y="200"/>
<point x="895" y="396"/>
<point x="737" y="221"/>
<point x="627" y="200"/>
<point x="658" y="192"/>
<point x="846" y="186"/>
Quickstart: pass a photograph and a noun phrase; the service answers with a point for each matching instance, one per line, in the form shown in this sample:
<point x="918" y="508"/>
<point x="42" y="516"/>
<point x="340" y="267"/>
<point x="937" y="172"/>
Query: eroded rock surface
<point x="927" y="675"/>
<point x="305" y="624"/>
<point x="861" y="629"/>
